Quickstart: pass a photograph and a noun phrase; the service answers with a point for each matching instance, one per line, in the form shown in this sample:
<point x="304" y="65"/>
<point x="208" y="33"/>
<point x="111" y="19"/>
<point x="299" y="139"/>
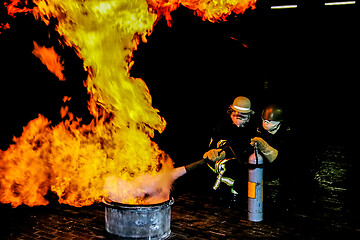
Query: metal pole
<point x="255" y="187"/>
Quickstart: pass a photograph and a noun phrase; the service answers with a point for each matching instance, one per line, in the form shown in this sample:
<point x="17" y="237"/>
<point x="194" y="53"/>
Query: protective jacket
<point x="236" y="143"/>
<point x="282" y="141"/>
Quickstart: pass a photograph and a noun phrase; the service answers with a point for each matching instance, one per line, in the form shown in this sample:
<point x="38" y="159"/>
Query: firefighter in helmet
<point x="230" y="150"/>
<point x="274" y="140"/>
<point x="272" y="117"/>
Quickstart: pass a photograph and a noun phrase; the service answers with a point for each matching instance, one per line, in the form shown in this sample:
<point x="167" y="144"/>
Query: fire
<point x="114" y="153"/>
<point x="147" y="188"/>
<point x="50" y="59"/>
<point x="4" y="26"/>
<point x="17" y="6"/>
<point x="213" y="11"/>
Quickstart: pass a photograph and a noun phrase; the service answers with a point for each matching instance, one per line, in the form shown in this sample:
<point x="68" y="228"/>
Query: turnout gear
<point x="269" y="152"/>
<point x="235" y="142"/>
<point x="229" y="150"/>
<point x="220" y="170"/>
<point x="286" y="170"/>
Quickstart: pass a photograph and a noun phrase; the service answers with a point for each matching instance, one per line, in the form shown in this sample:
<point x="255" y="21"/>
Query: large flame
<point x="114" y="154"/>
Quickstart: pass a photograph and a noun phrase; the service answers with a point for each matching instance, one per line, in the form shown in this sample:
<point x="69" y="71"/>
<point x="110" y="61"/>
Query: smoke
<point x="147" y="188"/>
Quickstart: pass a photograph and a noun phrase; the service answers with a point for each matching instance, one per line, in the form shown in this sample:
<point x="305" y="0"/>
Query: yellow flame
<point x="114" y="153"/>
<point x="80" y="157"/>
<point x="106" y="33"/>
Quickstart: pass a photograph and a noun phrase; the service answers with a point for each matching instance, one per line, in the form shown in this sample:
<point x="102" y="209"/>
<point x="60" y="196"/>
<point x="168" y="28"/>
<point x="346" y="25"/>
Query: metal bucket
<point x="138" y="221"/>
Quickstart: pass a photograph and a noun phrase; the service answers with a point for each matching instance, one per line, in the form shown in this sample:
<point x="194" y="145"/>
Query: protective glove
<point x="269" y="152"/>
<point x="214" y="155"/>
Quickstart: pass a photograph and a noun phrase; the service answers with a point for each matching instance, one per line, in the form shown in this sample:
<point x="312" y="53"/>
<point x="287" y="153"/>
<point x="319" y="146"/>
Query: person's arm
<point x="269" y="152"/>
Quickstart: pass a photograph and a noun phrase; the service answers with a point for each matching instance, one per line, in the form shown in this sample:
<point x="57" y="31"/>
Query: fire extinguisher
<point x="255" y="187"/>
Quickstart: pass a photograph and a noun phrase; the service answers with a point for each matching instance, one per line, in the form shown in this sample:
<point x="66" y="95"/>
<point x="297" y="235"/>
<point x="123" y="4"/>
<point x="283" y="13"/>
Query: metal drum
<point x="138" y="221"/>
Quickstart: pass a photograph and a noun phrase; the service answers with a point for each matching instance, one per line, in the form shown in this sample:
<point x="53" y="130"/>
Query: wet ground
<point x="330" y="213"/>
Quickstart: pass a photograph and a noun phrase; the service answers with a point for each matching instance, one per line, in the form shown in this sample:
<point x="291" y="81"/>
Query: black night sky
<point x="305" y="59"/>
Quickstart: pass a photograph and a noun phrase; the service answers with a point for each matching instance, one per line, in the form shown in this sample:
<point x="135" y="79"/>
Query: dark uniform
<point x="227" y="173"/>
<point x="235" y="141"/>
<point x="279" y="175"/>
<point x="281" y="141"/>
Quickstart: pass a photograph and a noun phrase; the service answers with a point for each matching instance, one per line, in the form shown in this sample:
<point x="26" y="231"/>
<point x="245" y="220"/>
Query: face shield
<point x="240" y="119"/>
<point x="271" y="126"/>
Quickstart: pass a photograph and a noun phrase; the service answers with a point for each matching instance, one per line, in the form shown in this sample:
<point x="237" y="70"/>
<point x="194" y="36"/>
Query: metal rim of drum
<point x="109" y="202"/>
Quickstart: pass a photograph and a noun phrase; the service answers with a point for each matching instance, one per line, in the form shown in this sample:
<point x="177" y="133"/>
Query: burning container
<point x="138" y="221"/>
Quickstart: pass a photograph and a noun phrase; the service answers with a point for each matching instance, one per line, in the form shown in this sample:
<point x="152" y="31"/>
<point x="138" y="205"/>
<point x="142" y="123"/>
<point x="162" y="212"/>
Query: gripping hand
<point x="214" y="155"/>
<point x="269" y="152"/>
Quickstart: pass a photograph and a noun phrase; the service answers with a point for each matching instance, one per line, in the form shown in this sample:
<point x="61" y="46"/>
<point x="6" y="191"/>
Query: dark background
<point x="305" y="59"/>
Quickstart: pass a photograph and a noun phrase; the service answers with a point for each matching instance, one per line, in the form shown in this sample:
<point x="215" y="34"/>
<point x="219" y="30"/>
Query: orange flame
<point x="114" y="153"/>
<point x="213" y="11"/>
<point x="50" y="59"/>
<point x="218" y="10"/>
<point x="17" y="6"/>
<point x="4" y="26"/>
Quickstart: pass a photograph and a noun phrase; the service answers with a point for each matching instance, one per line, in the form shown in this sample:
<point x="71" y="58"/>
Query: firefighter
<point x="272" y="118"/>
<point x="274" y="140"/>
<point x="230" y="150"/>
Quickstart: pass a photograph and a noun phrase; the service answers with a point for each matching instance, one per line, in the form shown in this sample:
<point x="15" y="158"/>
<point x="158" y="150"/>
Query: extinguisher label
<point x="251" y="189"/>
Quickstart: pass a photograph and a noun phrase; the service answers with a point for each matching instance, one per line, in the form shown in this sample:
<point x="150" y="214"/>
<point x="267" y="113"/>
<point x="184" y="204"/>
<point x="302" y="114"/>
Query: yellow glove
<point x="269" y="152"/>
<point x="215" y="155"/>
